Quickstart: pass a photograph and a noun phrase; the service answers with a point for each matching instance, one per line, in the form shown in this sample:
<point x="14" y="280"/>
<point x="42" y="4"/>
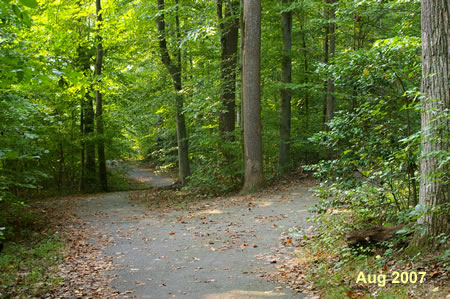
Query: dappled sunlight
<point x="214" y="211"/>
<point x="265" y="204"/>
<point x="243" y="294"/>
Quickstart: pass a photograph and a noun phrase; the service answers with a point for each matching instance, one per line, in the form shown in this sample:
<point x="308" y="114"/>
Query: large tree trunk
<point x="434" y="192"/>
<point x="325" y="49"/>
<point x="241" y="67"/>
<point x="229" y="31"/>
<point x="329" y="46"/>
<point x="254" y="177"/>
<point x="83" y="63"/>
<point x="332" y="50"/>
<point x="99" y="100"/>
<point x="175" y="72"/>
<point x="286" y="77"/>
<point x="89" y="143"/>
<point x="305" y="78"/>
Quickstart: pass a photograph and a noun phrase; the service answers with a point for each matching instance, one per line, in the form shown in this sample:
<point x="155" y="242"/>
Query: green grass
<point x="29" y="269"/>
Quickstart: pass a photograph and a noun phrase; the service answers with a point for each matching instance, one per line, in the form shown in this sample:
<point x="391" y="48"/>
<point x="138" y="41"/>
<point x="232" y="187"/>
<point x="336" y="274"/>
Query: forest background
<point x="84" y="82"/>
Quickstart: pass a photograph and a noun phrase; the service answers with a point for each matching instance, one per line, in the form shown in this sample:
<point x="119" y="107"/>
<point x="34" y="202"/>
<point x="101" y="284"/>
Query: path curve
<point x="217" y="250"/>
<point x="146" y="176"/>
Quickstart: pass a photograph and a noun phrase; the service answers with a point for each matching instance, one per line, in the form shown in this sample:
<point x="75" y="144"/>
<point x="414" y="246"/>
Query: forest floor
<point x="125" y="244"/>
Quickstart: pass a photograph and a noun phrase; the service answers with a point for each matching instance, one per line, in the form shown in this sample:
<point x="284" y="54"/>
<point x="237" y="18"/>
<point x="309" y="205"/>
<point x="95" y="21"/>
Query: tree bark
<point x="434" y="191"/>
<point x="325" y="49"/>
<point x="60" y="165"/>
<point x="254" y="177"/>
<point x="175" y="72"/>
<point x="332" y="50"/>
<point x="241" y="68"/>
<point x="83" y="63"/>
<point x="229" y="33"/>
<point x="82" y="185"/>
<point x="305" y="78"/>
<point x="329" y="48"/>
<point x="99" y="102"/>
<point x="89" y="143"/>
<point x="286" y="77"/>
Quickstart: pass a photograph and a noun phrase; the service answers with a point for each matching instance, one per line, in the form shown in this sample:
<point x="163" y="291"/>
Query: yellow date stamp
<point x="395" y="277"/>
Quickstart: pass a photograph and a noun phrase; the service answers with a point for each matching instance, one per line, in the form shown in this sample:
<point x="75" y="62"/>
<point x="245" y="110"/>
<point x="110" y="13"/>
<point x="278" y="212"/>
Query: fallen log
<point x="372" y="234"/>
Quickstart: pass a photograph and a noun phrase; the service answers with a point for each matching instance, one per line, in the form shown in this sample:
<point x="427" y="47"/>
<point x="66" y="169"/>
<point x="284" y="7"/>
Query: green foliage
<point x="370" y="148"/>
<point x="375" y="145"/>
<point x="214" y="174"/>
<point x="371" y="173"/>
<point x="48" y="56"/>
<point x="22" y="145"/>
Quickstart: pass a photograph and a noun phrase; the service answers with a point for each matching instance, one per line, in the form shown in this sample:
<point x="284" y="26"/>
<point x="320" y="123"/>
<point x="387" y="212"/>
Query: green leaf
<point x="16" y="10"/>
<point x="11" y="155"/>
<point x="26" y="19"/>
<point x="29" y="3"/>
<point x="20" y="75"/>
<point x="31" y="186"/>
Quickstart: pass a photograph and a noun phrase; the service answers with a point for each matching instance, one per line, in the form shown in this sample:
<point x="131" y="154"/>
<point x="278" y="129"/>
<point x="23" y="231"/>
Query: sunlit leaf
<point x="29" y="3"/>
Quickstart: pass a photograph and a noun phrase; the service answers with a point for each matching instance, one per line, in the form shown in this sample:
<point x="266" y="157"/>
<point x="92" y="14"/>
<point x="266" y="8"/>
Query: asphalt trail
<point x="217" y="250"/>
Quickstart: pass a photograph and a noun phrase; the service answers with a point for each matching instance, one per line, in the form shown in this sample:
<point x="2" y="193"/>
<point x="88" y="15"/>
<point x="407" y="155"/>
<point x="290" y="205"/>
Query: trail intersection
<point x="219" y="248"/>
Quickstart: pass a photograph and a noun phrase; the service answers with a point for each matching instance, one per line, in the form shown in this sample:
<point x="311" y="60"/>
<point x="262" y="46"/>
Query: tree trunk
<point x="325" y="49"/>
<point x="329" y="46"/>
<point x="434" y="192"/>
<point x="254" y="177"/>
<point x="229" y="31"/>
<point x="175" y="73"/>
<point x="332" y="50"/>
<point x="82" y="185"/>
<point x="241" y="68"/>
<point x="83" y="63"/>
<point x="305" y="80"/>
<point x="89" y="142"/>
<point x="99" y="100"/>
<point x="286" y="77"/>
<point x="60" y="166"/>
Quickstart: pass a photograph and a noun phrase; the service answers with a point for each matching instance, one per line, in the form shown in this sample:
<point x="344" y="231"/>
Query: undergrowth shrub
<point x="374" y="165"/>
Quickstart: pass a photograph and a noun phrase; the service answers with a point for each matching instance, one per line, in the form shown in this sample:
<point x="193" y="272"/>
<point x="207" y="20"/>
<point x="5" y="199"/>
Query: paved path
<point x="215" y="250"/>
<point x="146" y="176"/>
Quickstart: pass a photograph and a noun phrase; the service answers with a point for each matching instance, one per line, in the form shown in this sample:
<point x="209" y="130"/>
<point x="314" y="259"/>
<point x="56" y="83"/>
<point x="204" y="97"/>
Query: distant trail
<point x="217" y="249"/>
<point x="146" y="176"/>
